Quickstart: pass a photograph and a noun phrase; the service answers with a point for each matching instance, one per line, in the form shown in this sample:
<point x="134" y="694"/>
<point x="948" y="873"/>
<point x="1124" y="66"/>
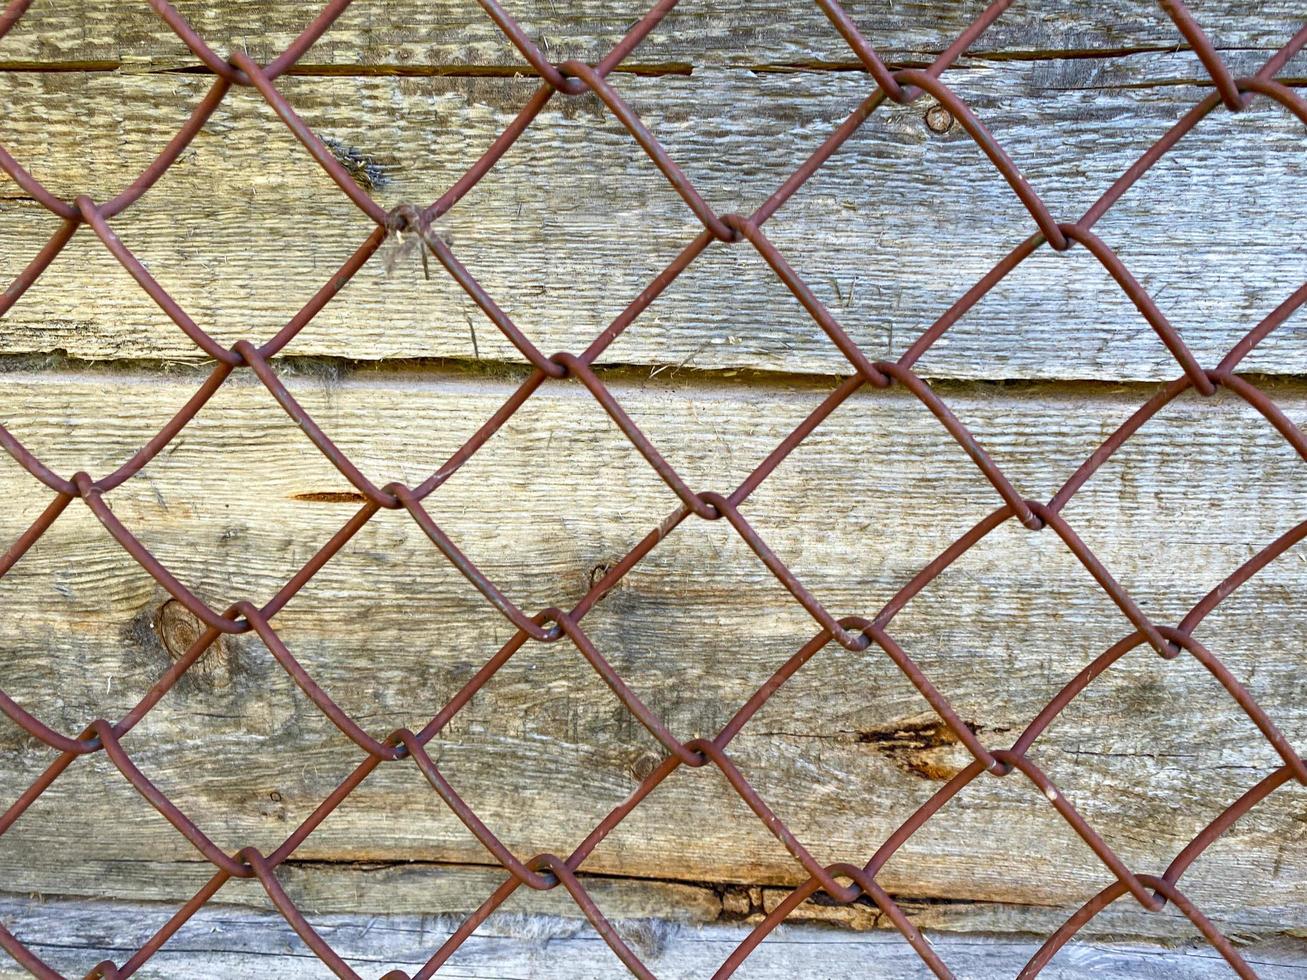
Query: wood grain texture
<point x="843" y="753"/>
<point x="571" y="225"/>
<point x="575" y="221"/>
<point x="77" y="935"/>
<point x="447" y="34"/>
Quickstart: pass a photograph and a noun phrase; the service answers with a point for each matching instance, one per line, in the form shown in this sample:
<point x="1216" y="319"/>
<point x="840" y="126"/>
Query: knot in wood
<point x="938" y="119"/>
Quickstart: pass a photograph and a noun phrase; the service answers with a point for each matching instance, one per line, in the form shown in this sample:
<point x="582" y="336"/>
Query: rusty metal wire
<point x="842" y="882"/>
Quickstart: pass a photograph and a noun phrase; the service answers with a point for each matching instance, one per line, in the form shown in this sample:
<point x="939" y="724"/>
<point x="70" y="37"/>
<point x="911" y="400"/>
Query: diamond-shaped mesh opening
<point x="1131" y="490"/>
<point x="1180" y="256"/>
<point x="93" y="620"/>
<point x="223" y="529"/>
<point x="589" y="185"/>
<point x="908" y="474"/>
<point x="522" y="737"/>
<point x="726" y="650"/>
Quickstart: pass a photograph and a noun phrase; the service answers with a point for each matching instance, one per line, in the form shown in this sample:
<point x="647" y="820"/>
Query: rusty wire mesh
<point x="840" y="882"/>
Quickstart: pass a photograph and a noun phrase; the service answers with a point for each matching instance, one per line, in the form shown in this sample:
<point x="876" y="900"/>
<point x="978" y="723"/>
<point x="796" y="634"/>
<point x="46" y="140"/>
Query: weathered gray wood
<point x="323" y="888"/>
<point x="843" y="753"/>
<point x="573" y="223"/>
<point x="576" y="221"/>
<point x="449" y="34"/>
<point x="74" y="936"/>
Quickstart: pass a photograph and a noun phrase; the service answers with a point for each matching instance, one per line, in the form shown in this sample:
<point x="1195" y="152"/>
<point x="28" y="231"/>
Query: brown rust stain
<point x="330" y="497"/>
<point x="922" y="746"/>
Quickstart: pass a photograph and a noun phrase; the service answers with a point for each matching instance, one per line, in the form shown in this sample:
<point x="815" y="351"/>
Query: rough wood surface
<point x="219" y="941"/>
<point x="576" y="221"/>
<point x="573" y="223"/>
<point x="451" y="34"/>
<point x="1151" y="754"/>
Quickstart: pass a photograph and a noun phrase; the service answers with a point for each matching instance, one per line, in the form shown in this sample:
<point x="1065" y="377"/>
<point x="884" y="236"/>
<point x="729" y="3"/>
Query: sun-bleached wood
<point x="78" y="935"/>
<point x="575" y="221"/>
<point x="450" y="34"/>
<point x="573" y="224"/>
<point x="843" y="753"/>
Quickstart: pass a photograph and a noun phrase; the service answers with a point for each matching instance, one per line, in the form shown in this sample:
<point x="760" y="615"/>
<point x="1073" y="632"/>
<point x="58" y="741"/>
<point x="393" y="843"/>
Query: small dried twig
<point x="410" y="231"/>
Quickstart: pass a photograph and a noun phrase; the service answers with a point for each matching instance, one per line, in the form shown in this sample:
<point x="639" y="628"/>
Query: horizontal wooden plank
<point x="844" y="752"/>
<point x="73" y="936"/>
<point x="445" y="33"/>
<point x="576" y="221"/>
<point x="321" y="888"/>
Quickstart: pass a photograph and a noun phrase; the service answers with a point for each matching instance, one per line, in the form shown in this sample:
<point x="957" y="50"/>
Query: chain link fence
<point x="411" y="227"/>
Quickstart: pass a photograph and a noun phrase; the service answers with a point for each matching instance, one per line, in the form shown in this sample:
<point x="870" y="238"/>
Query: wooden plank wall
<point x="574" y="223"/>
